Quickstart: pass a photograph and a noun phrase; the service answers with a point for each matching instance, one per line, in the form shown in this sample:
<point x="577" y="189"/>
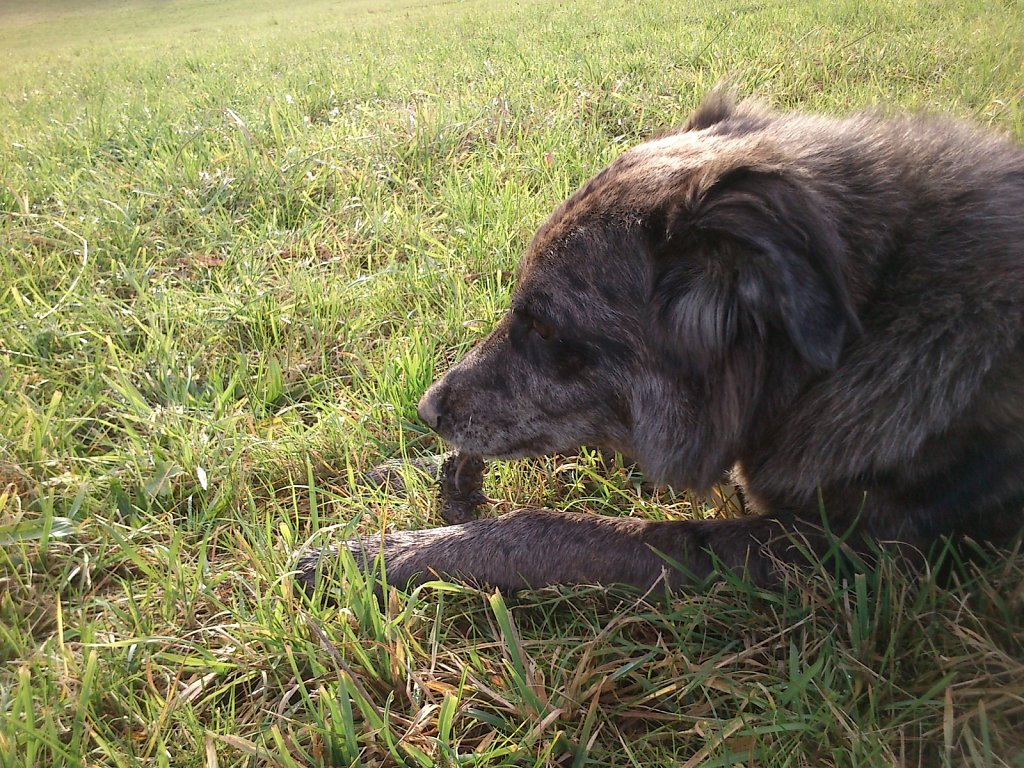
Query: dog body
<point x="832" y="309"/>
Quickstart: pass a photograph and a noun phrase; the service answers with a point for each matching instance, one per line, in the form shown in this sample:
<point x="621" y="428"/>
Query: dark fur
<point x="831" y="308"/>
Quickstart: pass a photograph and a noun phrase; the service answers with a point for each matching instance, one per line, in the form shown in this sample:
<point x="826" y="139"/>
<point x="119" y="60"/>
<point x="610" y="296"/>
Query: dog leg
<point x="532" y="548"/>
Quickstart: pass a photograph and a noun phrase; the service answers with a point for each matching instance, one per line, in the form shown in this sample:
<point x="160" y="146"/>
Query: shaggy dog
<point x="831" y="309"/>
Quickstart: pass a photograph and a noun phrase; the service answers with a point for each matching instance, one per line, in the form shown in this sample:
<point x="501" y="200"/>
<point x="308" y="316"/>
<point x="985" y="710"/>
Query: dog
<point x="829" y="309"/>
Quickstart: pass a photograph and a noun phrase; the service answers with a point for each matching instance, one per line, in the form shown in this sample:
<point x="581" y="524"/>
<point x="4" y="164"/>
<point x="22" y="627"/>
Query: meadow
<point x="238" y="240"/>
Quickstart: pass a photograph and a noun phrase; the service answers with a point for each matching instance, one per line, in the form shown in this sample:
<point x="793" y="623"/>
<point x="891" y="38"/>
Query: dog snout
<point x="429" y="408"/>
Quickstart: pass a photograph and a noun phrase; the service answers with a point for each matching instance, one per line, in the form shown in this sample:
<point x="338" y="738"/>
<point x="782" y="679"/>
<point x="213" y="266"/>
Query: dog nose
<point x="427" y="409"/>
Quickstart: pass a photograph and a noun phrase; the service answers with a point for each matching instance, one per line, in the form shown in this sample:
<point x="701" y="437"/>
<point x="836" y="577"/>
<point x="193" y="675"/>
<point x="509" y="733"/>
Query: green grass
<point x="240" y="238"/>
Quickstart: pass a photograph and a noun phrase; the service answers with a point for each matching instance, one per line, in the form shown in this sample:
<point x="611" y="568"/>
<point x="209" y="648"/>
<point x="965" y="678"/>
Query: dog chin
<point x="522" y="449"/>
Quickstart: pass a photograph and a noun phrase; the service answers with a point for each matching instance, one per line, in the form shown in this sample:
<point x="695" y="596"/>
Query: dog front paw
<point x="403" y="558"/>
<point x="313" y="566"/>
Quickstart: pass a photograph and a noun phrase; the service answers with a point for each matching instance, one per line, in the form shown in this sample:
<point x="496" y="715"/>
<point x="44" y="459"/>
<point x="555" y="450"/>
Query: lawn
<point x="239" y="239"/>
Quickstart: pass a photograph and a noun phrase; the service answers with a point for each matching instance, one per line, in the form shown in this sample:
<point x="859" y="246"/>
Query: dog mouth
<point x="524" y="448"/>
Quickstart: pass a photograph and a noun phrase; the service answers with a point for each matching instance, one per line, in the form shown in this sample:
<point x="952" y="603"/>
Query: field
<point x="240" y="238"/>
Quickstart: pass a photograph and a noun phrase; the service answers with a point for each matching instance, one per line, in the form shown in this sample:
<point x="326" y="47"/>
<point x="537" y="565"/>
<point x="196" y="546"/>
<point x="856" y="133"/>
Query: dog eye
<point x="544" y="331"/>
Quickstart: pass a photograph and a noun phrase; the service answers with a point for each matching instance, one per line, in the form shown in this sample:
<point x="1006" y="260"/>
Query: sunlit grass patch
<point x="239" y="239"/>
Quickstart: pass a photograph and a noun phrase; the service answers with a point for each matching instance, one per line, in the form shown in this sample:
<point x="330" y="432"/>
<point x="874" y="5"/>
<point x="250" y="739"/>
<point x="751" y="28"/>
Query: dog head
<point x="661" y="309"/>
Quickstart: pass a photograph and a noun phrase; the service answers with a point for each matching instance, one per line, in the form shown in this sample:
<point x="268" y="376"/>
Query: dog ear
<point x="758" y="246"/>
<point x="717" y="106"/>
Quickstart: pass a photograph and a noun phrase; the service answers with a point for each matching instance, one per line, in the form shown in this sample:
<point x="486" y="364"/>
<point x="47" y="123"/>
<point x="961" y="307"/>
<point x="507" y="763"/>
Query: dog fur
<point x="831" y="309"/>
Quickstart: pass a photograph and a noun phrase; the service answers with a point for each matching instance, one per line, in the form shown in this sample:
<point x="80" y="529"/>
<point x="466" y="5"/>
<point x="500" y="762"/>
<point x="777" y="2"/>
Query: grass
<point x="240" y="238"/>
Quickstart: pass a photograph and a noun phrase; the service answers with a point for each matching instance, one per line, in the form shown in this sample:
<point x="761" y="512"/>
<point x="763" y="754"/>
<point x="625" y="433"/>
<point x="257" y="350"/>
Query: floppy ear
<point x="767" y="246"/>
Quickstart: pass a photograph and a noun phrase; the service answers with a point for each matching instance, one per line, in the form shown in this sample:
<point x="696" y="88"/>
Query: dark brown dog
<point x="832" y="308"/>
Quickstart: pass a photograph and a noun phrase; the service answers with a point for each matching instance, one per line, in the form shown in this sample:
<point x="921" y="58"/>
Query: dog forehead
<point x="563" y="265"/>
<point x="627" y="190"/>
<point x="665" y="157"/>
